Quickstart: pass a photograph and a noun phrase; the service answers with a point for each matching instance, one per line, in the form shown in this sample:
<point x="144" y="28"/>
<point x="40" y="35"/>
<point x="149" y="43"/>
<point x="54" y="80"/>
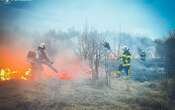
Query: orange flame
<point x="8" y="74"/>
<point x="13" y="65"/>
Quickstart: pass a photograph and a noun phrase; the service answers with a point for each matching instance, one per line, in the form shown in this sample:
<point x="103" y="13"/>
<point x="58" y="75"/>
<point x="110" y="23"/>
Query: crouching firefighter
<point x="39" y="57"/>
<point x="125" y="67"/>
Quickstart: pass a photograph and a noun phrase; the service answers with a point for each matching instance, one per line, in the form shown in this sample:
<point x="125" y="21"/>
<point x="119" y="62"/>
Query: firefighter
<point x="41" y="54"/>
<point x="142" y="55"/>
<point x="43" y="58"/>
<point x="39" y="57"/>
<point x="124" y="67"/>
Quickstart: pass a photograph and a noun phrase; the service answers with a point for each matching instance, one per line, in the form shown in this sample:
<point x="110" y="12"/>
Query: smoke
<point x="15" y="46"/>
<point x="13" y="51"/>
<point x="69" y="66"/>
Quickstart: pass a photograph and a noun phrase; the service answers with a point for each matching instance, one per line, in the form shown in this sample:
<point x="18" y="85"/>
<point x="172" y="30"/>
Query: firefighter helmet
<point x="42" y="45"/>
<point x="125" y="48"/>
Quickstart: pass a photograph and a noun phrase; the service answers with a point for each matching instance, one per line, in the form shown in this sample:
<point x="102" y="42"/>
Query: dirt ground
<point x="81" y="95"/>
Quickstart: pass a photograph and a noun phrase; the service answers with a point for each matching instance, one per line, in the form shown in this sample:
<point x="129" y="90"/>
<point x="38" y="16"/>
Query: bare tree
<point x="92" y="50"/>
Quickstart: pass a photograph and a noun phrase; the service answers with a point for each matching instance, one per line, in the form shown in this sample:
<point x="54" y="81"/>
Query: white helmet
<point x="125" y="48"/>
<point x="42" y="45"/>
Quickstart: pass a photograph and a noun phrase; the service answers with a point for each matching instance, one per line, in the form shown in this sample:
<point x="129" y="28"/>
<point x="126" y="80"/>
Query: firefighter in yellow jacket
<point x="125" y="66"/>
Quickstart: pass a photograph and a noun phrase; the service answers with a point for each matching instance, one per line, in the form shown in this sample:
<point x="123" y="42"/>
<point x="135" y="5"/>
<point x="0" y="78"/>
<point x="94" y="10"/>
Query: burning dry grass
<point x="13" y="65"/>
<point x="8" y="74"/>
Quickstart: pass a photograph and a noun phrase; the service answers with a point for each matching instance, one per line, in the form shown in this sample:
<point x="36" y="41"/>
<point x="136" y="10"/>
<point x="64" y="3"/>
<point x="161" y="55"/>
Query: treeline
<point x="166" y="49"/>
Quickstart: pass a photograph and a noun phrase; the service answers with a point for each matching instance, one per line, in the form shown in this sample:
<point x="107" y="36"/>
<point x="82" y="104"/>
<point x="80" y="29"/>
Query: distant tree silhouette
<point x="170" y="54"/>
<point x="160" y="48"/>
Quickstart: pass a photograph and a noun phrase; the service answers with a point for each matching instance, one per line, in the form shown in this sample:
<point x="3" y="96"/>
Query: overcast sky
<point x="152" y="18"/>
